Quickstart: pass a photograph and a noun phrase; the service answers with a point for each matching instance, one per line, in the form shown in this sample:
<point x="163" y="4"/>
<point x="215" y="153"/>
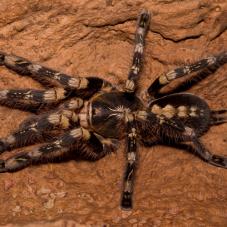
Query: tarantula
<point x="89" y="115"/>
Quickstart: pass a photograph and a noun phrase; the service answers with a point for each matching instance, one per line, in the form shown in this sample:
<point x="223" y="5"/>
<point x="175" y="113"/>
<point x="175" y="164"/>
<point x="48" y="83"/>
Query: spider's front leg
<point x="79" y="141"/>
<point x="126" y="202"/>
<point x="49" y="77"/>
<point x="212" y="62"/>
<point x="40" y="128"/>
<point x="141" y="31"/>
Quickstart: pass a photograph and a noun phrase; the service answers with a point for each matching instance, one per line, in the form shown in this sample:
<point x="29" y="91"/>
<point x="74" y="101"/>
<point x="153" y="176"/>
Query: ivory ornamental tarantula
<point x="89" y="115"/>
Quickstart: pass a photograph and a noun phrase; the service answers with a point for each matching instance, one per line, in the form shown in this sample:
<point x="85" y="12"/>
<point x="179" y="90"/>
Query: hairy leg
<point x="38" y="129"/>
<point x="126" y="201"/>
<point x="78" y="140"/>
<point x="49" y="77"/>
<point x="142" y="28"/>
<point x="30" y="97"/>
<point x="166" y="78"/>
<point x="212" y="159"/>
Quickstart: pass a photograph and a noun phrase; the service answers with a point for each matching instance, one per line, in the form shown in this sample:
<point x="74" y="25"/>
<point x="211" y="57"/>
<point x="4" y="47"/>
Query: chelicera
<point x="88" y="116"/>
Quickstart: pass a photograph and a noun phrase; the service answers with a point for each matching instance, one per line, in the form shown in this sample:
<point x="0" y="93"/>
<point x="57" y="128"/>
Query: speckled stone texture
<point x="80" y="37"/>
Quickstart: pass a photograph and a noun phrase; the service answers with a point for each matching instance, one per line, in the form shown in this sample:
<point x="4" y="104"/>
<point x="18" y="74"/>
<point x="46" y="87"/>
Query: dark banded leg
<point x="142" y="28"/>
<point x="49" y="77"/>
<point x="126" y="202"/>
<point x="207" y="156"/>
<point x="28" y="99"/>
<point x="44" y="75"/>
<point x="46" y="151"/>
<point x="37" y="129"/>
<point x="89" y="144"/>
<point x="203" y="64"/>
<point x="218" y="117"/>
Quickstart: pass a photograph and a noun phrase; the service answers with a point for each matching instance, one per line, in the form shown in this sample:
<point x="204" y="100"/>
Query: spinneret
<point x="88" y="116"/>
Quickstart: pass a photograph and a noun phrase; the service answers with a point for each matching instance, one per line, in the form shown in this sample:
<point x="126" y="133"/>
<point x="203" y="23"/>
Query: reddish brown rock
<point x="173" y="188"/>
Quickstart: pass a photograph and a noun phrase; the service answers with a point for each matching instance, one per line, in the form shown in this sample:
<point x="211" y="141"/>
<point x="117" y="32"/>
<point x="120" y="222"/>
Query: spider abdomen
<point x="184" y="110"/>
<point x="107" y="113"/>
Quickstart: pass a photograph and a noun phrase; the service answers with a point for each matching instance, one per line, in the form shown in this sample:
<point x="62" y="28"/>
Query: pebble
<point x="16" y="209"/>
<point x="49" y="204"/>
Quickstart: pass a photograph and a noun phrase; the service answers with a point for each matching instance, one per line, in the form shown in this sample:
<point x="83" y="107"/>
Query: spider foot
<point x="218" y="117"/>
<point x="2" y="57"/>
<point x="144" y="19"/>
<point x="2" y="166"/>
<point x="219" y="161"/>
<point x="126" y="202"/>
<point x="213" y="159"/>
<point x="3" y="147"/>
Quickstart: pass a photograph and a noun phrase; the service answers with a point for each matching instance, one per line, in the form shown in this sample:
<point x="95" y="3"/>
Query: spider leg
<point x="29" y="99"/>
<point x="70" y="141"/>
<point x="212" y="159"/>
<point x="142" y="28"/>
<point x="218" y="117"/>
<point x="49" y="77"/>
<point x="126" y="202"/>
<point x="44" y="75"/>
<point x="166" y="78"/>
<point x="45" y="151"/>
<point x="37" y="128"/>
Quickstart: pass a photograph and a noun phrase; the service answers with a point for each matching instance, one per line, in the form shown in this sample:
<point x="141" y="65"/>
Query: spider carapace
<point x="88" y="116"/>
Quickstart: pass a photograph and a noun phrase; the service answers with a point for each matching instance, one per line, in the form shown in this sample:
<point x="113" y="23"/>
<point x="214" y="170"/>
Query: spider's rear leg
<point x="213" y="159"/>
<point x="141" y="31"/>
<point x="49" y="77"/>
<point x="79" y="141"/>
<point x="184" y="118"/>
<point x="45" y="151"/>
<point x="218" y="117"/>
<point x="212" y="62"/>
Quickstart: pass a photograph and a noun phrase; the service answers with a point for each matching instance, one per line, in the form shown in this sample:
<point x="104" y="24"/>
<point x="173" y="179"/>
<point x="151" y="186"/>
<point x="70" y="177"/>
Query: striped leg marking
<point x="142" y="28"/>
<point x="40" y="73"/>
<point x="57" y="148"/>
<point x="34" y="130"/>
<point x="47" y="76"/>
<point x="166" y="78"/>
<point x="126" y="202"/>
<point x="26" y="98"/>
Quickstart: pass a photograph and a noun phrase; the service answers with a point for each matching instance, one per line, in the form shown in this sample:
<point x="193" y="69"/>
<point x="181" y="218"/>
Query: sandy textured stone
<point x="173" y="188"/>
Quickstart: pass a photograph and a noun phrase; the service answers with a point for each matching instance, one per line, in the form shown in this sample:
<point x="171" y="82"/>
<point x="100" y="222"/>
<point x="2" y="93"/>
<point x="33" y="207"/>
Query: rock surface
<point x="173" y="188"/>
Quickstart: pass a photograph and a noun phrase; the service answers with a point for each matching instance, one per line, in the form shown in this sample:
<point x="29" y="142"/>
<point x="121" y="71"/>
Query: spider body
<point x="88" y="116"/>
<point x="107" y="112"/>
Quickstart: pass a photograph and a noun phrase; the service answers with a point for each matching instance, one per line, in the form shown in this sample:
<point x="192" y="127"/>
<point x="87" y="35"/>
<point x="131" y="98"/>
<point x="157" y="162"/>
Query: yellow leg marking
<point x="130" y="85"/>
<point x="54" y="95"/>
<point x="79" y="83"/>
<point x="163" y="79"/>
